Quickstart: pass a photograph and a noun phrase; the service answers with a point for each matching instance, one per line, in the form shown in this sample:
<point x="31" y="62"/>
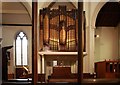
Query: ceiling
<point x="15" y="13"/>
<point x="109" y="15"/>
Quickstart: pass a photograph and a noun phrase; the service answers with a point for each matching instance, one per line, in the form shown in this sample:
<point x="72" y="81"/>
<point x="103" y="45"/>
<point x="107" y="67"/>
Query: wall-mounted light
<point x="97" y="36"/>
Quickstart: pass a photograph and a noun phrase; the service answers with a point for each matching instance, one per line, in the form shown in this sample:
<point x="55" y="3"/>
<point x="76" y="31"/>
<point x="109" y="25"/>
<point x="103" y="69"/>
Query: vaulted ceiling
<point x="15" y="13"/>
<point x="109" y="15"/>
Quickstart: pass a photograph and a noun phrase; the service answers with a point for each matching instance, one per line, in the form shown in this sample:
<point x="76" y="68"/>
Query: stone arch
<point x="28" y="7"/>
<point x="97" y="9"/>
<point x="95" y="13"/>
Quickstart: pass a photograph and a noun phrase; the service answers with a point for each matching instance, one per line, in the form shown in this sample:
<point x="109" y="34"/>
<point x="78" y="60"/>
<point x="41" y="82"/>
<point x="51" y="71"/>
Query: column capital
<point x="92" y="27"/>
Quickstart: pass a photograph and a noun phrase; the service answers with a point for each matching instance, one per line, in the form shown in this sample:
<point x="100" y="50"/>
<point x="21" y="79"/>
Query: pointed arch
<point x="21" y="42"/>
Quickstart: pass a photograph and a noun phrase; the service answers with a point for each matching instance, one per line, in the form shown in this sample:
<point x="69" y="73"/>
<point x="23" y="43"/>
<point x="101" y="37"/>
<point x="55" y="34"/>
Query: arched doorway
<point x="107" y="38"/>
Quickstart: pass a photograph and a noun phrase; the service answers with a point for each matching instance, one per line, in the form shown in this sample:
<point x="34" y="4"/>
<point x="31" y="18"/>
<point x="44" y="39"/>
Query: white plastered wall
<point x="118" y="27"/>
<point x="9" y="33"/>
<point x="106" y="45"/>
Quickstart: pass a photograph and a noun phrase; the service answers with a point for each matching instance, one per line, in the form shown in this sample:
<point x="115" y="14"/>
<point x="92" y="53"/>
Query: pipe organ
<point x="58" y="28"/>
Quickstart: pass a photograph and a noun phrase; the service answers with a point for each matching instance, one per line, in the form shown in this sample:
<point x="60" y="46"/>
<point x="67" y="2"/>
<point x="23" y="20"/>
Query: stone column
<point x="91" y="48"/>
<point x="43" y="64"/>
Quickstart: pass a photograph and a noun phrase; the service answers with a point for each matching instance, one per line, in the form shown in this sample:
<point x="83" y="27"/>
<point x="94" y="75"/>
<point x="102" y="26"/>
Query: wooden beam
<point x="34" y="43"/>
<point x="16" y="24"/>
<point x="80" y="47"/>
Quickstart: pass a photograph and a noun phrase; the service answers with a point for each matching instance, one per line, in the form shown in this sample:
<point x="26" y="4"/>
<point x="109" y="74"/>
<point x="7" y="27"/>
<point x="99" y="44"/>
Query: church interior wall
<point x="9" y="33"/>
<point x="106" y="45"/>
<point x="118" y="27"/>
<point x="103" y="50"/>
<point x="86" y="58"/>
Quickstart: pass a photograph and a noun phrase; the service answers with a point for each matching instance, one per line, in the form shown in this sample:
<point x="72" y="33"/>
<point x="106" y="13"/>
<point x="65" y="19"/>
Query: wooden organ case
<point x="59" y="28"/>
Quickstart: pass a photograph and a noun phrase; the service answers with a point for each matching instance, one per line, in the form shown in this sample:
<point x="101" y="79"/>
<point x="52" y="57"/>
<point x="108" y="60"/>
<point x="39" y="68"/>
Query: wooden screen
<point x="59" y="28"/>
